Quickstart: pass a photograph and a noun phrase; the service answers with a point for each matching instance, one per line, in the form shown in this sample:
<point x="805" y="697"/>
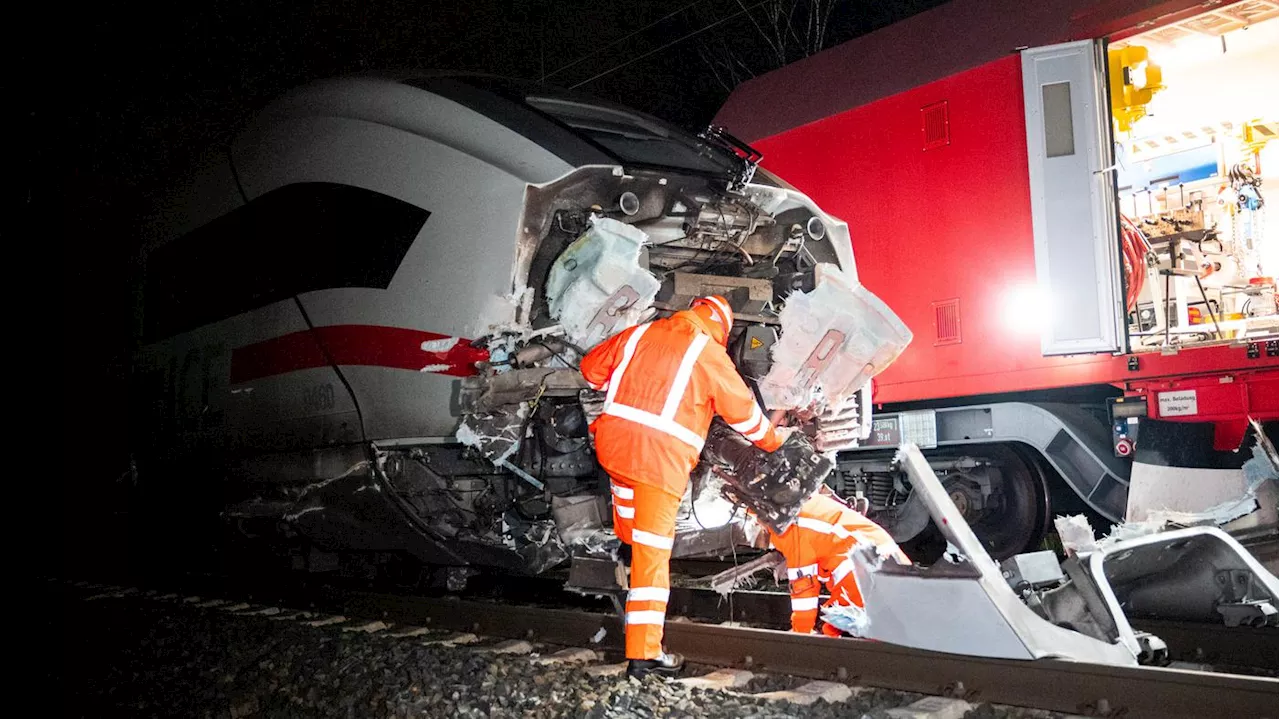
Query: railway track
<point x="1057" y="686"/>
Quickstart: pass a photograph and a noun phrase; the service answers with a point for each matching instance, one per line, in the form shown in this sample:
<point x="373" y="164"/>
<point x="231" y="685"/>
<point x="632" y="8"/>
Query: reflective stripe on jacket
<point x="664" y="381"/>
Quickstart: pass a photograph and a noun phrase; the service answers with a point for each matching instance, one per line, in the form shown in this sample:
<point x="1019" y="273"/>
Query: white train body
<point x="311" y="299"/>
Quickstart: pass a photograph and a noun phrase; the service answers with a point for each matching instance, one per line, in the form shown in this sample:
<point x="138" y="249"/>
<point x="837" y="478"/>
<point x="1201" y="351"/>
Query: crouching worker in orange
<point x="664" y="381"/>
<point x="817" y="547"/>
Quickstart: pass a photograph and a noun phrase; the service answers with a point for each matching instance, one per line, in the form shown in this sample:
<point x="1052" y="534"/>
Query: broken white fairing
<point x="600" y="250"/>
<point x="1195" y="574"/>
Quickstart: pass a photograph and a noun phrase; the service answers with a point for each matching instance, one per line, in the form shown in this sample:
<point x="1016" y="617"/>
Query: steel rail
<point x="1053" y="685"/>
<point x="1236" y="647"/>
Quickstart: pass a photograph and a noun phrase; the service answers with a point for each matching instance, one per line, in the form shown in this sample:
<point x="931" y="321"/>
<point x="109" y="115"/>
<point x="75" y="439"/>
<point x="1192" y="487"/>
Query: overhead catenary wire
<point x="619" y="41"/>
<point x="664" y="46"/>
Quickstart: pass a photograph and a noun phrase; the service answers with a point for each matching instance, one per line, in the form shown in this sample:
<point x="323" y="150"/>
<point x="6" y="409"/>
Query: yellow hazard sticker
<point x="756" y="343"/>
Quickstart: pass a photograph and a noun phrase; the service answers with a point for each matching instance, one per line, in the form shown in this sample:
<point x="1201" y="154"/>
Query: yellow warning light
<point x="1134" y="81"/>
<point x="1257" y="133"/>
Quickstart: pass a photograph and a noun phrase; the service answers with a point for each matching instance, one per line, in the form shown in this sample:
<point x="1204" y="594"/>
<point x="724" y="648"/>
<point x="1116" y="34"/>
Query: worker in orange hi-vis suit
<point x="817" y="547"/>
<point x="664" y="381"/>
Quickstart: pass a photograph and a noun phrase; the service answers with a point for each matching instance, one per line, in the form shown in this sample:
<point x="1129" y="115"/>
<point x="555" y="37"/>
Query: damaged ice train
<point x="359" y="325"/>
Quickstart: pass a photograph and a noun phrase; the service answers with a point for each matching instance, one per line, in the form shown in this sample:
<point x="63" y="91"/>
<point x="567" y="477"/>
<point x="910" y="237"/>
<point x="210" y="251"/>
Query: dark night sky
<point x="143" y="89"/>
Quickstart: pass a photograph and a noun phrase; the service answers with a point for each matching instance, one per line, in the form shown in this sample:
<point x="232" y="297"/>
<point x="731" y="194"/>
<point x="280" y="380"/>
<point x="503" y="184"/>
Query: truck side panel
<point x="946" y="237"/>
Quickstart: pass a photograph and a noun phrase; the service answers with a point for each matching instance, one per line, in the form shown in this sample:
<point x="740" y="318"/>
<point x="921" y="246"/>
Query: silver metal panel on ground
<point x="977" y="615"/>
<point x="1178" y="575"/>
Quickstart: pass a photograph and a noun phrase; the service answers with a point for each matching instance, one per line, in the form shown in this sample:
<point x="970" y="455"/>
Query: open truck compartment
<point x="1151" y="164"/>
<point x="1197" y="173"/>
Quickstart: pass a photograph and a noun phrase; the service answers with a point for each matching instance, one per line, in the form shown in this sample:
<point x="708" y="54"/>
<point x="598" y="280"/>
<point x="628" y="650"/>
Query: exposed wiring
<point x="559" y="356"/>
<point x="1134" y="248"/>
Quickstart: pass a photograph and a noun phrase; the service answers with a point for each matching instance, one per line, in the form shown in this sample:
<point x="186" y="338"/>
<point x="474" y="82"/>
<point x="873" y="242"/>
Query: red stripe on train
<point x="362" y="345"/>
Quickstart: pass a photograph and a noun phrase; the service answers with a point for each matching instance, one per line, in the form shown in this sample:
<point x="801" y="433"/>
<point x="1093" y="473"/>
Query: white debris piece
<point x="441" y="345"/>
<point x="1161" y="495"/>
<point x="834" y="340"/>
<point x="719" y="679"/>
<point x="597" y="288"/>
<point x="848" y="618"/>
<point x="1076" y="534"/>
<point x="933" y="708"/>
<point x="436" y="368"/>
<point x="809" y="693"/>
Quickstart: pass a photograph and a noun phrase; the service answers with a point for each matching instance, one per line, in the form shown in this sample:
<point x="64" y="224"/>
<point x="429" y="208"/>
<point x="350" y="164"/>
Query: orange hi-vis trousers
<point x="837" y="574"/>
<point x="817" y="548"/>
<point x="645" y="518"/>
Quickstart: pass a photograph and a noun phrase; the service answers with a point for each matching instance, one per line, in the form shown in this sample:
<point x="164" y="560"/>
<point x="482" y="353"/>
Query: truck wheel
<point x="1020" y="517"/>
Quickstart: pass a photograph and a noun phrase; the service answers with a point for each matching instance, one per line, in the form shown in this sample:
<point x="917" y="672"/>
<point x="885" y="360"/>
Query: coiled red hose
<point x="1134" y="248"/>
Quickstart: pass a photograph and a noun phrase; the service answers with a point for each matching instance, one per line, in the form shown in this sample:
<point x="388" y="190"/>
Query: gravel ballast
<point x="147" y="656"/>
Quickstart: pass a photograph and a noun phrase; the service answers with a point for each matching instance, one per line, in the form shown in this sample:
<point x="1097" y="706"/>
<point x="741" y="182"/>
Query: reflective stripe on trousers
<point x="645" y="518"/>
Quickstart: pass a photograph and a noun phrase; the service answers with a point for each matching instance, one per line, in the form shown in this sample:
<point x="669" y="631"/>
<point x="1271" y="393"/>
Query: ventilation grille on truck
<point x="936" y="126"/>
<point x="946" y="322"/>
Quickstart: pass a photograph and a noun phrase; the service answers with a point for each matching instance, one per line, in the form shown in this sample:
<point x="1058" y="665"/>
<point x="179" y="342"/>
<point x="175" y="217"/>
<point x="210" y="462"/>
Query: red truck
<point x="1066" y="202"/>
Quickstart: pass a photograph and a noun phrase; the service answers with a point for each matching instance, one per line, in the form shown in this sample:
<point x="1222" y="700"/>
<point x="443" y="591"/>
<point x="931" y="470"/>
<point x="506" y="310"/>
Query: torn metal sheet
<point x="1190" y="495"/>
<point x="746" y="575"/>
<point x="834" y="340"/>
<point x="1234" y="499"/>
<point x="352" y="510"/>
<point x="495" y="434"/>
<point x="1076" y="534"/>
<point x="583" y="525"/>
<point x="917" y="607"/>
<point x="539" y="544"/>
<point x="1196" y="574"/>
<point x="597" y="287"/>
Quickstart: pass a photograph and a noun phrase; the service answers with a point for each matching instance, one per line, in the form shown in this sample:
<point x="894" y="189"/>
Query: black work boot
<point x="666" y="665"/>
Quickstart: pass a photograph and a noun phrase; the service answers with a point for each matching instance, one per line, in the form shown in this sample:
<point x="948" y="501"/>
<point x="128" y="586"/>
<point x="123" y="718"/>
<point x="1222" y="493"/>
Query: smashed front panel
<point x="597" y="287"/>
<point x="602" y="249"/>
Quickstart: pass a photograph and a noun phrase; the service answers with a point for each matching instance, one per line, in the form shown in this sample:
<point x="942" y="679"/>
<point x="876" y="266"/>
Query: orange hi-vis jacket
<point x="817" y="546"/>
<point x="664" y="381"/>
